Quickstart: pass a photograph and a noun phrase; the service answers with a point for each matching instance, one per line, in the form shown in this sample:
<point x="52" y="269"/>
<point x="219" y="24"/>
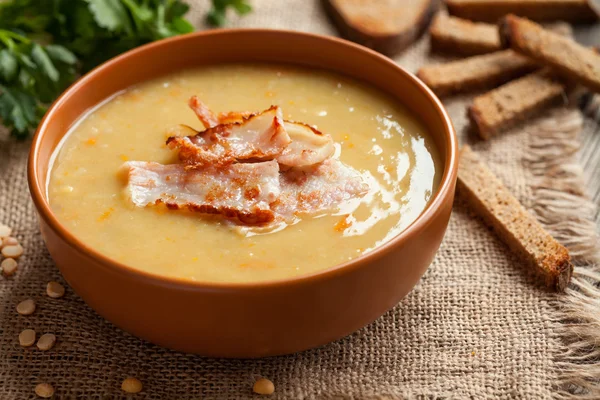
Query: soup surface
<point x="373" y="134"/>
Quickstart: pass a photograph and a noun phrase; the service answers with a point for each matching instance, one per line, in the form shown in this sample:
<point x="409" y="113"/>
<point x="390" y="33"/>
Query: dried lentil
<point x="27" y="338"/>
<point x="13" y="251"/>
<point x="10" y="241"/>
<point x="44" y="390"/>
<point x="131" y="385"/>
<point x="46" y="342"/>
<point x="263" y="386"/>
<point x="55" y="290"/>
<point x="9" y="266"/>
<point x="26" y="307"/>
<point x="5" y="231"/>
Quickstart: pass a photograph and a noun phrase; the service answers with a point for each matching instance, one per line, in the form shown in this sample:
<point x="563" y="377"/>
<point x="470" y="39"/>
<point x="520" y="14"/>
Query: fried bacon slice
<point x="261" y="136"/>
<point x="232" y="169"/>
<point x="204" y="114"/>
<point x="308" y="145"/>
<point x="317" y="189"/>
<point x="240" y="192"/>
<point x="233" y="116"/>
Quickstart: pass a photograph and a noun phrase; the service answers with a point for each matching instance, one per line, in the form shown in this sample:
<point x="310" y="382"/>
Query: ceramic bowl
<point x="254" y="319"/>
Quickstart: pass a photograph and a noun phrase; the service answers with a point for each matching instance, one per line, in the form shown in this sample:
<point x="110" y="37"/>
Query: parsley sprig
<point x="217" y="14"/>
<point x="46" y="44"/>
<point x="31" y="75"/>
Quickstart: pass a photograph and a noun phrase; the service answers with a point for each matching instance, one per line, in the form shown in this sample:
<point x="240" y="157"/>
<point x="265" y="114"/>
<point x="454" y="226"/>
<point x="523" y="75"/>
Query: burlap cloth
<point x="476" y="326"/>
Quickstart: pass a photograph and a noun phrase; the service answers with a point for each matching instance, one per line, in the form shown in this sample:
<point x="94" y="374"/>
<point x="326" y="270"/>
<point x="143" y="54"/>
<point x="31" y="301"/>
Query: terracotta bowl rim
<point x="427" y="216"/>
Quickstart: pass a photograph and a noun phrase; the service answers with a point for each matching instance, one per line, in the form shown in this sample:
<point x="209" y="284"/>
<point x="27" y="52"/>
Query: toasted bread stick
<point x="489" y="198"/>
<point x="538" y="10"/>
<point x="388" y="27"/>
<point x="460" y="36"/>
<point x="564" y="55"/>
<point x="501" y="108"/>
<point x="477" y="72"/>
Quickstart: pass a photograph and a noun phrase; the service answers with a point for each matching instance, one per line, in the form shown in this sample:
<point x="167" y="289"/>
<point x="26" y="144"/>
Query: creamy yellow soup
<point x="373" y="134"/>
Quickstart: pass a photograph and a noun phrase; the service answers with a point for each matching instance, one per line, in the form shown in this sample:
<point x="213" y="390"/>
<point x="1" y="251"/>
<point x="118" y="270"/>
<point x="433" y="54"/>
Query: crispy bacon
<point x="259" y="137"/>
<point x="233" y="116"/>
<point x="225" y="170"/>
<point x="204" y="114"/>
<point x="240" y="192"/>
<point x="317" y="189"/>
<point x="309" y="146"/>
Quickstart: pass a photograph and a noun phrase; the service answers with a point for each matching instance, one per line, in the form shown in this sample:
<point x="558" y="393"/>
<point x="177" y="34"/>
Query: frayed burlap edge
<point x="562" y="206"/>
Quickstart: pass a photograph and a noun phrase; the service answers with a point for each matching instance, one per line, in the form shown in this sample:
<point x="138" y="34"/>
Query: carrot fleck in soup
<point x="345" y="169"/>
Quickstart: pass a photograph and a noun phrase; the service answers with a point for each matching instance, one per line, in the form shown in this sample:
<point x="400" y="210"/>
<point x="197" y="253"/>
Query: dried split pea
<point x="44" y="390"/>
<point x="5" y="231"/>
<point x="26" y="307"/>
<point x="46" y="342"/>
<point x="13" y="251"/>
<point x="10" y="241"/>
<point x="131" y="385"/>
<point x="27" y="338"/>
<point x="55" y="290"/>
<point x="9" y="266"/>
<point x="263" y="386"/>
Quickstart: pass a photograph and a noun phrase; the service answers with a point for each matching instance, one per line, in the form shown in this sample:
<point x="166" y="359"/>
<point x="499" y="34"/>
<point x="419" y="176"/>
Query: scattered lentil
<point x="27" y="338"/>
<point x="55" y="290"/>
<point x="44" y="390"/>
<point x="131" y="385"/>
<point x="13" y="251"/>
<point x="26" y="307"/>
<point x="10" y="241"/>
<point x="46" y="341"/>
<point x="5" y="231"/>
<point x="263" y="386"/>
<point x="9" y="266"/>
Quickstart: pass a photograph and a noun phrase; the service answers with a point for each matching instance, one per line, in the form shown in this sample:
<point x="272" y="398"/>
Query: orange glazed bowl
<point x="246" y="319"/>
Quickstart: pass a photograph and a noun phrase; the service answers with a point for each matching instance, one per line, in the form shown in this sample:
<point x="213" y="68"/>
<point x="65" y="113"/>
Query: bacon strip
<point x="211" y="181"/>
<point x="317" y="189"/>
<point x="309" y="146"/>
<point x="233" y="116"/>
<point x="239" y="192"/>
<point x="258" y="137"/>
<point x="204" y="114"/>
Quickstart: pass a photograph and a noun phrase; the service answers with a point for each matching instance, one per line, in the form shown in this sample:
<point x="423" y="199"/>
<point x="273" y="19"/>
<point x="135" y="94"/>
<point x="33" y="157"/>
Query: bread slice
<point x="477" y="72"/>
<point x="538" y="10"/>
<point x="460" y="36"/>
<point x="387" y="26"/>
<point x="501" y="108"/>
<point x="491" y="200"/>
<point x="564" y="55"/>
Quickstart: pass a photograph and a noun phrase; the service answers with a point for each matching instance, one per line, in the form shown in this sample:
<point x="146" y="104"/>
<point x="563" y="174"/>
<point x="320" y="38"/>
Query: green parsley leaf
<point x="18" y="110"/>
<point x="181" y="25"/>
<point x="59" y="53"/>
<point x="217" y="15"/>
<point x="8" y="65"/>
<point x="44" y="62"/>
<point x="242" y="7"/>
<point x="45" y="44"/>
<point x="110" y="14"/>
